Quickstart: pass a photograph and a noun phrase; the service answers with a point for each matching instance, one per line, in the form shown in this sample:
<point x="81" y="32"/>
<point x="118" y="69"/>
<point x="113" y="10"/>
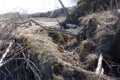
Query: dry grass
<point x="106" y="18"/>
<point x="40" y="41"/>
<point x="43" y="58"/>
<point x="104" y="22"/>
<point x="86" y="46"/>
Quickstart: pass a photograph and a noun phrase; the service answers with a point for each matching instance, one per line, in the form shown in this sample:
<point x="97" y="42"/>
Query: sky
<point x="31" y="6"/>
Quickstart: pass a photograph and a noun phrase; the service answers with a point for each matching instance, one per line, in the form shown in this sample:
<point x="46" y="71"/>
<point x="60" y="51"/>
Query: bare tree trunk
<point x="111" y="4"/>
<point x="116" y="3"/>
<point x="65" y="10"/>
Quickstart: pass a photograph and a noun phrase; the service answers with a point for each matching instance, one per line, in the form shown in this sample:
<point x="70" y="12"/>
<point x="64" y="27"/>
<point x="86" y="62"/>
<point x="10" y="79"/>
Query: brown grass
<point x="106" y="18"/>
<point x="40" y="41"/>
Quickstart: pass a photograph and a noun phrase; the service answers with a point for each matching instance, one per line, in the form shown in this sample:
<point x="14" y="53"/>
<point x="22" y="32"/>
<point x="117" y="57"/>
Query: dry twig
<point x="5" y="54"/>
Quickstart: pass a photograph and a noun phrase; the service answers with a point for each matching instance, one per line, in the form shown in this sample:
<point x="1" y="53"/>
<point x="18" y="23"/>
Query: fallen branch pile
<point x="15" y="57"/>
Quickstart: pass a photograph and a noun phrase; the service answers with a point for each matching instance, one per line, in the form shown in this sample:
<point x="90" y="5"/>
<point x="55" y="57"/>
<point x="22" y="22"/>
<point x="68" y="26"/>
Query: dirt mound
<point x="100" y="32"/>
<point x="85" y="7"/>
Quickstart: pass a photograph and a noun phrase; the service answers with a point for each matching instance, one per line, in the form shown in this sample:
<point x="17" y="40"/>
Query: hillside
<point x="52" y="14"/>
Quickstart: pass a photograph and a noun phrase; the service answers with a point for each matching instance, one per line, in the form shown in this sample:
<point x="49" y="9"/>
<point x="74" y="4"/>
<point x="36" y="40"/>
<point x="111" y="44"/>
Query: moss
<point x="58" y="38"/>
<point x="61" y="39"/>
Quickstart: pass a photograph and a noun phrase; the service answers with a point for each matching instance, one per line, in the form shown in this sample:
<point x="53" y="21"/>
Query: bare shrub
<point x="15" y="58"/>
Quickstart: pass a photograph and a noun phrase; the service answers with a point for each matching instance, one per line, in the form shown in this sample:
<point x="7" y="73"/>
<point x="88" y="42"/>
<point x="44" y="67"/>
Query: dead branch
<point x="65" y="10"/>
<point x="87" y="73"/>
<point x="111" y="4"/>
<point x="49" y="29"/>
<point x="99" y="66"/>
<point x="29" y="65"/>
<point x="5" y="54"/>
